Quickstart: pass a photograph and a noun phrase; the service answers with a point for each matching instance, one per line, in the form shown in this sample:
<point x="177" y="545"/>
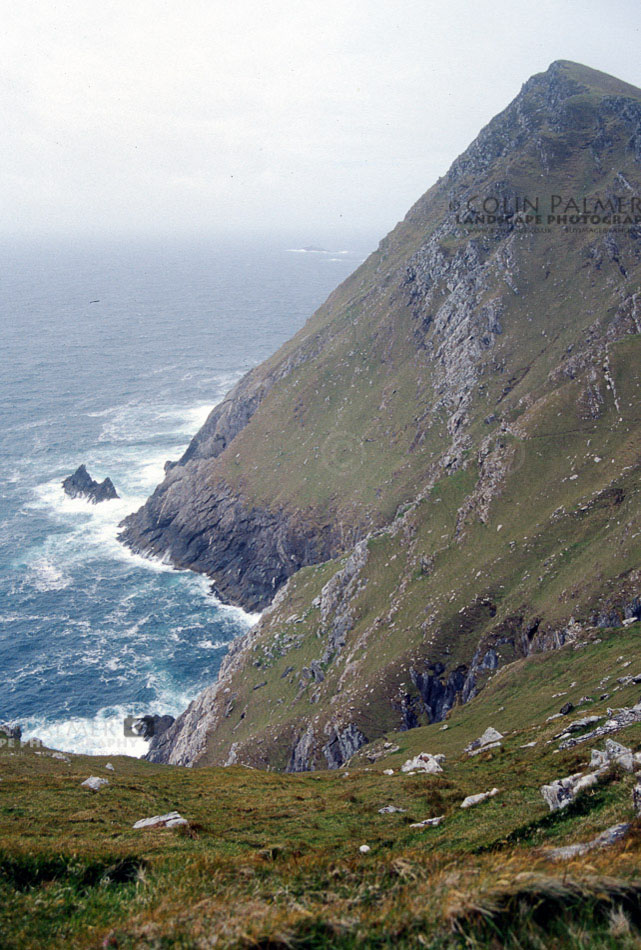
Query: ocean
<point x="113" y="353"/>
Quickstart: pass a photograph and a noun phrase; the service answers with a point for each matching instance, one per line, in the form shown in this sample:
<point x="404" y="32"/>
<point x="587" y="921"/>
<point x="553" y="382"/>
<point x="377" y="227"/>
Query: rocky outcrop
<point x="82" y="485"/>
<point x="249" y="551"/>
<point x="431" y="449"/>
<point x="151" y="726"/>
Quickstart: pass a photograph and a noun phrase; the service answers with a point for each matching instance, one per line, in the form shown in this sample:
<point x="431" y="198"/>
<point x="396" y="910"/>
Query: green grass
<point x="272" y="860"/>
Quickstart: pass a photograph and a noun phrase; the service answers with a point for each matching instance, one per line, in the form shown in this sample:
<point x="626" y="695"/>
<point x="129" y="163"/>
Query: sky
<point x="195" y="117"/>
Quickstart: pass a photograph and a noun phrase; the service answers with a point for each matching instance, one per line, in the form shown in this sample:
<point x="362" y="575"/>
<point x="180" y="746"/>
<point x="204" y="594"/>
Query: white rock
<point x="560" y="793"/>
<point x="608" y="837"/>
<point x="528" y="745"/>
<point x="389" y="810"/>
<point x="388" y="771"/>
<point x="424" y="762"/>
<point x="428" y="822"/>
<point x="485" y="748"/>
<point x="170" y="820"/>
<point x="94" y="783"/>
<point x="364" y="849"/>
<point x="477" y="799"/>
<point x="490" y="738"/>
<point x="110" y="767"/>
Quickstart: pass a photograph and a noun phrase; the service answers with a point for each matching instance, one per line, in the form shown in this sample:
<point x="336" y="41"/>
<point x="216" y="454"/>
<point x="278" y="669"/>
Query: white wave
<point x="213" y="645"/>
<point x="46" y="576"/>
<point x="102" y="734"/>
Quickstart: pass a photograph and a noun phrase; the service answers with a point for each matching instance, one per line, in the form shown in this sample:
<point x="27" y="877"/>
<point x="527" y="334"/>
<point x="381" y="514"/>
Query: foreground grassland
<point x="273" y="860"/>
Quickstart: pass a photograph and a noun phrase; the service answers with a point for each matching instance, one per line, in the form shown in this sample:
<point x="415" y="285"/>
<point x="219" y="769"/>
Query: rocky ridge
<point x="439" y="473"/>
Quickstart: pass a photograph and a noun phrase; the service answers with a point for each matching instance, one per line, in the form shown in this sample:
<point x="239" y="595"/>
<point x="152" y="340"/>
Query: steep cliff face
<point x="439" y="473"/>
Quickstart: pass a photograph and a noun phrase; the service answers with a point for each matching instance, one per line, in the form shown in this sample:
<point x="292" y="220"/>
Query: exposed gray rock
<point x="619" y="719"/>
<point x="491" y="738"/>
<point x="438" y="696"/>
<point x="614" y="754"/>
<point x="95" y="783"/>
<point x="428" y="822"/>
<point x="424" y="762"/>
<point x="560" y="793"/>
<point x="152" y="725"/>
<point x="343" y="744"/>
<point x="172" y="819"/>
<point x="300" y="760"/>
<point x="390" y="810"/>
<point x="472" y="800"/>
<point x="82" y="485"/>
<point x="605" y="840"/>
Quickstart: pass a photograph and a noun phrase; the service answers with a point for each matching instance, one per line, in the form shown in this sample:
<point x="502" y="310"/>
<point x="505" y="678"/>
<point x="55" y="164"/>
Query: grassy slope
<point x="339" y="440"/>
<point x="272" y="860"/>
<point x="542" y="563"/>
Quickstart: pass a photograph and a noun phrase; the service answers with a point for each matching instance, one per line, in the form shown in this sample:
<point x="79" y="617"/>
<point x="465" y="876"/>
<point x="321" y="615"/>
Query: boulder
<point x="636" y="799"/>
<point x="389" y="810"/>
<point x="94" y="783"/>
<point x="171" y="820"/>
<point x="561" y="792"/>
<point x="607" y="838"/>
<point x="110" y="767"/>
<point x="424" y="762"/>
<point x="472" y="800"/>
<point x="428" y="822"/>
<point x="364" y="849"/>
<point x="613" y="754"/>
<point x="490" y="739"/>
<point x="82" y="485"/>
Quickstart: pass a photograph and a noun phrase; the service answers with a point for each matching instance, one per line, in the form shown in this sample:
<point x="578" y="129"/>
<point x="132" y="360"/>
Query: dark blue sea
<point x="113" y="353"/>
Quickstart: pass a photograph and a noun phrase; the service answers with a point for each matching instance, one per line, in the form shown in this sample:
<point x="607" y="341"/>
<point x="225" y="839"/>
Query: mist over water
<point x="113" y="355"/>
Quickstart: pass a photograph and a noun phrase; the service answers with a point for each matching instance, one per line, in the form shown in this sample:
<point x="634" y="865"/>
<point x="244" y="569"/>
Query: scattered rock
<point x="579" y="724"/>
<point x="388" y="771"/>
<point x="608" y="837"/>
<point x="560" y="793"/>
<point x="613" y="753"/>
<point x="491" y="738"/>
<point x="424" y="762"/>
<point x="390" y="810"/>
<point x="619" y="719"/>
<point x="428" y="822"/>
<point x="477" y="799"/>
<point x="364" y="849"/>
<point x="567" y="708"/>
<point x="171" y="820"/>
<point x="82" y="485"/>
<point x="94" y="783"/>
<point x="528" y="745"/>
<point x="61" y="756"/>
<point x="636" y="799"/>
<point x="110" y="767"/>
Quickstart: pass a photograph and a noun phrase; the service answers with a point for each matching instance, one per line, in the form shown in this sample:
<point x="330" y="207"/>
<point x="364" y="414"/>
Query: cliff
<point x="439" y="473"/>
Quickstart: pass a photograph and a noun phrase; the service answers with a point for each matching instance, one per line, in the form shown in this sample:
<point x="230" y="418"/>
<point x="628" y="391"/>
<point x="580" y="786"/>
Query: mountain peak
<point x="570" y="79"/>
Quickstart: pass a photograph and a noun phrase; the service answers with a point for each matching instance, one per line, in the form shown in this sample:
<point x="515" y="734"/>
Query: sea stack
<point x="82" y="485"/>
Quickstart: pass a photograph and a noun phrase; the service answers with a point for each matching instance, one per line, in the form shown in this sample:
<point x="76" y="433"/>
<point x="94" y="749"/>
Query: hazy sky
<point x="292" y="115"/>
